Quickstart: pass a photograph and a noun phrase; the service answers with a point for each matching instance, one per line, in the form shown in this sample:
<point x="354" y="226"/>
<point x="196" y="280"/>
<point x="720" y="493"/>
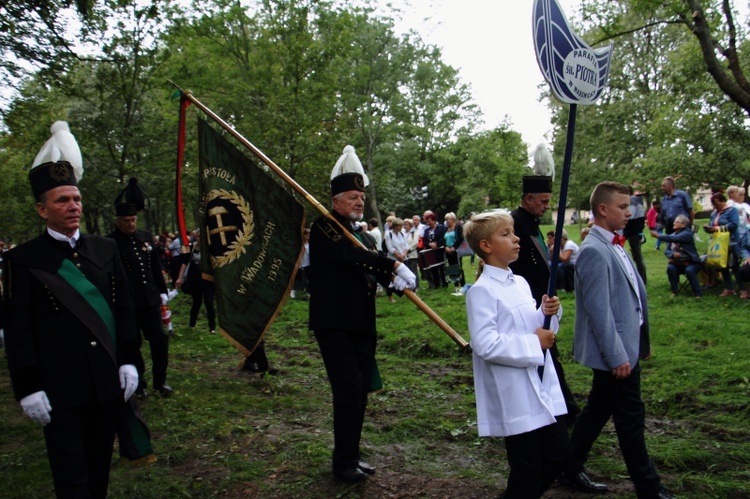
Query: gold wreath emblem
<point x="359" y="182"/>
<point x="242" y="240"/>
<point x="59" y="172"/>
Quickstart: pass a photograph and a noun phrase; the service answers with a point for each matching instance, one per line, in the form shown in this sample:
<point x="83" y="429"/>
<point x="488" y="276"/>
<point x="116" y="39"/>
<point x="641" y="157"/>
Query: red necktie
<point x="618" y="239"/>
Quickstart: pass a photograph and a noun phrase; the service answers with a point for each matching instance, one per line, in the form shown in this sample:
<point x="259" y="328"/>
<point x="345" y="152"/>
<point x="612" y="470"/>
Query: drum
<point x="431" y="258"/>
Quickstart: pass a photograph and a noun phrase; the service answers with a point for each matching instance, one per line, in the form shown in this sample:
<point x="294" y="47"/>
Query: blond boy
<point x="515" y="398"/>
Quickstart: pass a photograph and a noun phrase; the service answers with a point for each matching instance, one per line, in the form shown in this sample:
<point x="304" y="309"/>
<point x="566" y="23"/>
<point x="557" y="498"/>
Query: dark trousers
<point x="414" y="267"/>
<point x="257" y="361"/>
<point x="204" y="292"/>
<point x="570" y="400"/>
<point x="566" y="276"/>
<point x="174" y="268"/>
<point x="349" y="359"/>
<point x="302" y="280"/>
<point x="536" y="458"/>
<point x="691" y="271"/>
<point x="437" y="276"/>
<point x="637" y="254"/>
<point x="79" y="447"/>
<point x="621" y="400"/>
<point x="150" y="323"/>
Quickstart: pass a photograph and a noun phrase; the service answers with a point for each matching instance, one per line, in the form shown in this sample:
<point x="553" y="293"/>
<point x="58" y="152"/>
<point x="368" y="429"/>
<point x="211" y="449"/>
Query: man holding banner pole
<point x="342" y="311"/>
<point x="533" y="262"/>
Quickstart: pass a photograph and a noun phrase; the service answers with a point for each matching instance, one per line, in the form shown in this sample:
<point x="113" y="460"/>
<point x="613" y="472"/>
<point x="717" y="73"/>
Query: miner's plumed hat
<point x="57" y="163"/>
<point x="131" y="200"/>
<point x="544" y="169"/>
<point x="537" y="184"/>
<point x="348" y="174"/>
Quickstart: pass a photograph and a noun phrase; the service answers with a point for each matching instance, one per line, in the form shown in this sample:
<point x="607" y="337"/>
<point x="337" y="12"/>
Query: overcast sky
<point x="490" y="42"/>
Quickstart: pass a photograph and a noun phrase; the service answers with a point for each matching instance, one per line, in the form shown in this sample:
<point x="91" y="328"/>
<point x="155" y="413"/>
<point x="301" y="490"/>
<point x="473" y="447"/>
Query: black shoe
<point x="366" y="468"/>
<point x="165" y="390"/>
<point x="353" y="475"/>
<point x="582" y="481"/>
<point x="665" y="494"/>
<point x="251" y="367"/>
<point x="141" y="394"/>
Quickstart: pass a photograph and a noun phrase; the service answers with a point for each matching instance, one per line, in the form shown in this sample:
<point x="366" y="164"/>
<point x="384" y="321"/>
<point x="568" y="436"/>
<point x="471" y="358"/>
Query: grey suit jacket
<point x="607" y="330"/>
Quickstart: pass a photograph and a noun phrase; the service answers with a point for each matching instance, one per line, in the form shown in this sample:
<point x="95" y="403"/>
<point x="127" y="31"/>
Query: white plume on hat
<point x="349" y="163"/>
<point x="544" y="164"/>
<point x="62" y="146"/>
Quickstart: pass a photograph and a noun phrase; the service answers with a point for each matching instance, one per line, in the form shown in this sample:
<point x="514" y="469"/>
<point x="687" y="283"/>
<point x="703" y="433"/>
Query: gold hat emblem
<point x="59" y="172"/>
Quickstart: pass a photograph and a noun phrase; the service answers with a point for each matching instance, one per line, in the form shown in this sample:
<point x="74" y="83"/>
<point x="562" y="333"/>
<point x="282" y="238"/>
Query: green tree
<point x="662" y="114"/>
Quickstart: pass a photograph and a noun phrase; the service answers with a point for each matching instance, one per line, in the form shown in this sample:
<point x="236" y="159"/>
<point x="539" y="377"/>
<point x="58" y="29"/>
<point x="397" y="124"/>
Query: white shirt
<point x="503" y="318"/>
<point x="73" y="240"/>
<point x="305" y="262"/>
<point x="743" y="211"/>
<point x="375" y="233"/>
<point x="396" y="243"/>
<point x="570" y="245"/>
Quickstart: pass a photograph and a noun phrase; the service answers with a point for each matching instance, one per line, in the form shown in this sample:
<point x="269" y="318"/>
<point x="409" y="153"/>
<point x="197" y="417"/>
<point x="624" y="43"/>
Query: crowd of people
<point x="93" y="373"/>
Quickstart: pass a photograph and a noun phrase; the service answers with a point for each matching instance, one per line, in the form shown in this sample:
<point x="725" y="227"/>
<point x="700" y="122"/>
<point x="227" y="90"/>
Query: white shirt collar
<point x="498" y="274"/>
<point x="72" y="241"/>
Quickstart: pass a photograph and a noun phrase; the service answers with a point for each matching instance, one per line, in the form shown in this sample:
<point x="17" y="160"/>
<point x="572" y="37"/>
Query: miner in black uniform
<point x="141" y="262"/>
<point x="533" y="263"/>
<point x="342" y="310"/>
<point x="69" y="327"/>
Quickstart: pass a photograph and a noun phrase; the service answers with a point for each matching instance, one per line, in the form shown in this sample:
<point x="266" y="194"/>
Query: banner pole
<point x="310" y="199"/>
<point x="563" y="200"/>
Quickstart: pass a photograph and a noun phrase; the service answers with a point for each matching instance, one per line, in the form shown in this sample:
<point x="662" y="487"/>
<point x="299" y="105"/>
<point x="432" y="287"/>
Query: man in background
<point x="673" y="203"/>
<point x="534" y="261"/>
<point x="146" y="280"/>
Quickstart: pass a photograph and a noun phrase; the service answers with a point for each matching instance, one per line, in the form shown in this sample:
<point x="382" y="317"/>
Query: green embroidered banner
<point x="252" y="232"/>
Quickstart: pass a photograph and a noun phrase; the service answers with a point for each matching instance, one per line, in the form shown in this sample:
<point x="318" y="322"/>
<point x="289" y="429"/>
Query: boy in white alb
<point x="516" y="399"/>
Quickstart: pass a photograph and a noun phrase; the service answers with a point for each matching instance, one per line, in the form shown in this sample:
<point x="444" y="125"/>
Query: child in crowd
<point x="517" y="390"/>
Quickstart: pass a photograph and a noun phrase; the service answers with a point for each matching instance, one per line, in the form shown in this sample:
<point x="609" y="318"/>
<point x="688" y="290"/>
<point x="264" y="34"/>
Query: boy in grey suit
<point x="611" y="335"/>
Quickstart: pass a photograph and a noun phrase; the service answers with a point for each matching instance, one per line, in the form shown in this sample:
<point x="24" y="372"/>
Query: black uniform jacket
<point x="141" y="262"/>
<point x="342" y="295"/>
<point x="532" y="260"/>
<point x="51" y="347"/>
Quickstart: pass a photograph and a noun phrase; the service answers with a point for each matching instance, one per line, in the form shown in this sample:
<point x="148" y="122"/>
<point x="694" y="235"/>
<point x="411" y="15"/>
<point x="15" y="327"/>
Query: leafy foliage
<point x="662" y="115"/>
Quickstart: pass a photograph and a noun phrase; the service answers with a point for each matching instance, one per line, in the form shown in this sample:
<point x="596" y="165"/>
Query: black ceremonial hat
<point x="347" y="182"/>
<point x="50" y="175"/>
<point x="58" y="162"/>
<point x="348" y="174"/>
<point x="131" y="200"/>
<point x="536" y="184"/>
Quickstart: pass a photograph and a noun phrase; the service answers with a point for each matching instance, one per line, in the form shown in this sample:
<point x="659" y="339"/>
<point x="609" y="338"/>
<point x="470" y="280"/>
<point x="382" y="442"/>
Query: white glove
<point x="172" y="294"/>
<point x="399" y="284"/>
<point x="128" y="380"/>
<point x="164" y="298"/>
<point x="36" y="406"/>
<point x="407" y="275"/>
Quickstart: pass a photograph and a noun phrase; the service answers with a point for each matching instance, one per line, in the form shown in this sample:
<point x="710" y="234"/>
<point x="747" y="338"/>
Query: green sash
<point x="90" y="293"/>
<point x="542" y="243"/>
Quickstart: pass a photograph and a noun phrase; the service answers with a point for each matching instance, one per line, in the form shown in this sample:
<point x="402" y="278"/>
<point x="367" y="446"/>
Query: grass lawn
<point x="225" y="433"/>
